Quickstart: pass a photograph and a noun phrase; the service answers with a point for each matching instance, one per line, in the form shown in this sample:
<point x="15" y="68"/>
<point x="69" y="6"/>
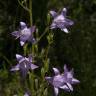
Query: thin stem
<point x="31" y="80"/>
<point x="46" y="30"/>
<point x="23" y="6"/>
<point x="5" y="58"/>
<point x="25" y="49"/>
<point x="31" y="21"/>
<point x="31" y="76"/>
<point x="30" y="12"/>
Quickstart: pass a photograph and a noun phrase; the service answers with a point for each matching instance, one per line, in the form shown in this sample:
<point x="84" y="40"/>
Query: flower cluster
<point x="59" y="80"/>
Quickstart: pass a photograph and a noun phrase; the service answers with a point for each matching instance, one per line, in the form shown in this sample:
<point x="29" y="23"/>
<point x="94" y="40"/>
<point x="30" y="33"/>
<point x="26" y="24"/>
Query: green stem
<point x="46" y="30"/>
<point x="5" y="58"/>
<point x="23" y="6"/>
<point x="31" y="81"/>
<point x="31" y="76"/>
<point x="30" y="12"/>
<point x="31" y="21"/>
<point x="25" y="49"/>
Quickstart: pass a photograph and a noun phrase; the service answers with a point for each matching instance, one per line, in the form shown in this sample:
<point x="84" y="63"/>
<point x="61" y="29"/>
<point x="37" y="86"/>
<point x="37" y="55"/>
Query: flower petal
<point x="68" y="22"/>
<point x="56" y="71"/>
<point x="65" y="87"/>
<point x="49" y="79"/>
<point x="19" y="57"/>
<point x="22" y="25"/>
<point x="53" y="13"/>
<point x="16" y="68"/>
<point x="65" y="68"/>
<point x="26" y="94"/>
<point x="59" y="18"/>
<point x="65" y="30"/>
<point x="53" y="25"/>
<point x="32" y="29"/>
<point x="64" y="11"/>
<point x="31" y="39"/>
<point x="30" y="58"/>
<point x="22" y="43"/>
<point x="25" y="36"/>
<point x="72" y="71"/>
<point x="70" y="86"/>
<point x="75" y="81"/>
<point x="33" y="66"/>
<point x="16" y="33"/>
<point x="56" y="90"/>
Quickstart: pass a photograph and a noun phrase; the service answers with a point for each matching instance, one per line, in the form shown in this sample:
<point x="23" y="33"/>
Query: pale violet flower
<point x="60" y="20"/>
<point x="24" y="33"/>
<point x="24" y="65"/>
<point x="63" y="81"/>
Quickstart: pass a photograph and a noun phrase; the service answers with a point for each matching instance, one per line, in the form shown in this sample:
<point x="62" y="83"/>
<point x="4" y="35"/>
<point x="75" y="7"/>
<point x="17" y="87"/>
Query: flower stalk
<point x="26" y="65"/>
<point x="30" y="12"/>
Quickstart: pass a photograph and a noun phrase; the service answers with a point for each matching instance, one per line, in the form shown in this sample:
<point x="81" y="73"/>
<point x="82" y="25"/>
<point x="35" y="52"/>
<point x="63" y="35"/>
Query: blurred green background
<point x="77" y="49"/>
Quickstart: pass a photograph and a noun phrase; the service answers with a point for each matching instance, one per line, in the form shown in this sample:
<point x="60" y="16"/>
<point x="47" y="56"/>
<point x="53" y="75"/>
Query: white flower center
<point x="59" y="18"/>
<point x="69" y="75"/>
<point x="26" y="32"/>
<point x="25" y="65"/>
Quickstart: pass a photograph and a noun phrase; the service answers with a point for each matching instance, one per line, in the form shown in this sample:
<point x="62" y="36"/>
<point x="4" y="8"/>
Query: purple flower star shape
<point x="24" y="33"/>
<point x="60" y="20"/>
<point x="24" y="65"/>
<point x="57" y="81"/>
<point x="61" y="81"/>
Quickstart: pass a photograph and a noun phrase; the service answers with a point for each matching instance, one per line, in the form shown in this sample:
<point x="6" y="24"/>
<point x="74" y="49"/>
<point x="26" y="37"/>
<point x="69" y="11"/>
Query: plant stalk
<point x="30" y="12"/>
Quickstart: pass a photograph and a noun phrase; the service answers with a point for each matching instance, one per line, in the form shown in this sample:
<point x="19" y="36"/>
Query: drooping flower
<point x="61" y="81"/>
<point x="60" y="20"/>
<point x="24" y="65"/>
<point x="24" y="33"/>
